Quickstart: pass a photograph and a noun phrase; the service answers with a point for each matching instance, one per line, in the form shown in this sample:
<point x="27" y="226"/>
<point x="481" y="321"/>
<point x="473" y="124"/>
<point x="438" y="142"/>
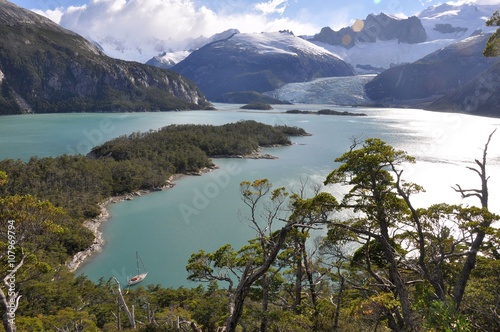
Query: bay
<point x="206" y="212"/>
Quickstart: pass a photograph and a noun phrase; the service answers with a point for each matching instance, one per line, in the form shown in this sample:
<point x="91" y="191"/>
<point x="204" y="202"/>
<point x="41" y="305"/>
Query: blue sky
<point x="180" y="19"/>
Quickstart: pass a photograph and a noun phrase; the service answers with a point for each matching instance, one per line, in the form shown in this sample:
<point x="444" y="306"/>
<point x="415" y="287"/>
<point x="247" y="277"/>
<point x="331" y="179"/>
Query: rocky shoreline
<point x="254" y="155"/>
<point x="96" y="246"/>
<point x="94" y="224"/>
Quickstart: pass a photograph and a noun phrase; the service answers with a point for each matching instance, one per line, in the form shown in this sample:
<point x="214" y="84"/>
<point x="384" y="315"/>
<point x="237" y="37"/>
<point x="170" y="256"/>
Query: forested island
<point x="257" y="106"/>
<point x="123" y="165"/>
<point x="326" y="112"/>
<point x="391" y="268"/>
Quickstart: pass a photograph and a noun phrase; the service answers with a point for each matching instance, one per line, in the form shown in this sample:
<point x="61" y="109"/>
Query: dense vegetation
<point x="326" y="112"/>
<point x="493" y="46"/>
<point x="388" y="267"/>
<point x="383" y="264"/>
<point x="257" y="106"/>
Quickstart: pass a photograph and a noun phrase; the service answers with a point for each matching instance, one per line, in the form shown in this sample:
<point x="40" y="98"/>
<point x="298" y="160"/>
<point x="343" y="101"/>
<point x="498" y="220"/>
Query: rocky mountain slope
<point x="480" y="96"/>
<point x="432" y="76"/>
<point x="258" y="62"/>
<point x="373" y="28"/>
<point x="45" y="68"/>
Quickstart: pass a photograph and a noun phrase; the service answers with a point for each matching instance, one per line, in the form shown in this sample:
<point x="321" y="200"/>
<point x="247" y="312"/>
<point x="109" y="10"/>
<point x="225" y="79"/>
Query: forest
<point x="387" y="266"/>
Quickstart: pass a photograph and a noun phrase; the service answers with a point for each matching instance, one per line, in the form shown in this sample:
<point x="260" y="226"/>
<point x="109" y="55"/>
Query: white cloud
<point x="272" y="6"/>
<point x="55" y="15"/>
<point x="170" y="20"/>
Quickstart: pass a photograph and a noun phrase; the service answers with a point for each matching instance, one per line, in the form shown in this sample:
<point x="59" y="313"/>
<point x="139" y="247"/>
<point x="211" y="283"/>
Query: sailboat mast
<point x="137" y="259"/>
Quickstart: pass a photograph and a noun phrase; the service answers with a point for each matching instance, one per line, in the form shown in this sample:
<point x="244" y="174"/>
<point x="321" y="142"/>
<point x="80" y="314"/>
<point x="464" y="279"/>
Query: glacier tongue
<point x="330" y="90"/>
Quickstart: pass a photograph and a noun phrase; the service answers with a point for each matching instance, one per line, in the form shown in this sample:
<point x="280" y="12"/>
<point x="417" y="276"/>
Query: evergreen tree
<point x="493" y="45"/>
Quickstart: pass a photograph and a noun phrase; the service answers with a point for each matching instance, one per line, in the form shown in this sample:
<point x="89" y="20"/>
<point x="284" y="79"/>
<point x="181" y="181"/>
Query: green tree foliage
<point x="405" y="258"/>
<point x="379" y="255"/>
<point x="493" y="45"/>
<point x="30" y="244"/>
<point x="198" y="142"/>
<point x="373" y="193"/>
<point x="253" y="272"/>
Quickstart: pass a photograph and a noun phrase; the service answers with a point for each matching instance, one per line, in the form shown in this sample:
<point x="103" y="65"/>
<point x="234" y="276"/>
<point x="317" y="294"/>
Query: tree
<point x="334" y="255"/>
<point x="481" y="220"/>
<point x="400" y="246"/>
<point x="449" y="233"/>
<point x="493" y="45"/>
<point x="28" y="226"/>
<point x="121" y="303"/>
<point x="304" y="267"/>
<point x="373" y="194"/>
<point x="225" y="264"/>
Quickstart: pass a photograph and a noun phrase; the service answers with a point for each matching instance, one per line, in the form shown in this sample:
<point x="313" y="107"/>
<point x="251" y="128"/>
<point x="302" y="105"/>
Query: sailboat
<point x="139" y="276"/>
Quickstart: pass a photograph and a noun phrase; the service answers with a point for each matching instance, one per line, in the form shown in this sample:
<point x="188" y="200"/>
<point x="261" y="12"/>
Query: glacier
<point x="341" y="91"/>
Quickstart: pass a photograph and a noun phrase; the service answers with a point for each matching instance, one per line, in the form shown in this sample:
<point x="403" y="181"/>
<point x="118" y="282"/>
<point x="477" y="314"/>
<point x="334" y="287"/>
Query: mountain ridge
<point x="373" y="28"/>
<point x="169" y="59"/>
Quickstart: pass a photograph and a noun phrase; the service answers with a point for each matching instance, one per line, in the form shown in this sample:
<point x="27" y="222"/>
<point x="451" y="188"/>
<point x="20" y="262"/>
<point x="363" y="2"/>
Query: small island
<point x="325" y="112"/>
<point x="257" y="106"/>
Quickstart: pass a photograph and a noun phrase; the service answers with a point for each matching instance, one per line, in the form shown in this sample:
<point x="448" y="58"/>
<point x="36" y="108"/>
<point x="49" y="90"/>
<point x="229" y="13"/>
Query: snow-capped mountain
<point x="280" y="63"/>
<point x="453" y="23"/>
<point x="258" y="62"/>
<point x="444" y="24"/>
<point x="170" y="58"/>
<point x="373" y="28"/>
<point x="164" y="52"/>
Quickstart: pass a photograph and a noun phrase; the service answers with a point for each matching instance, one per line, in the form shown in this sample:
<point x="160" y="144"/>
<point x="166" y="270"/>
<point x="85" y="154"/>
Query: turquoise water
<point x="206" y="212"/>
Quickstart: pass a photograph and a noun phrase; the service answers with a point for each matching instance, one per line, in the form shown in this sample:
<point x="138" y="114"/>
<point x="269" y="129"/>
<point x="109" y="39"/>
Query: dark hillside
<point x="438" y="73"/>
<point x="45" y="68"/>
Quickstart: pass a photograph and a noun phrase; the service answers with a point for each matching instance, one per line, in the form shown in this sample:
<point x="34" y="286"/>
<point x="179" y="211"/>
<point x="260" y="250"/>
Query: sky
<point x="183" y="19"/>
